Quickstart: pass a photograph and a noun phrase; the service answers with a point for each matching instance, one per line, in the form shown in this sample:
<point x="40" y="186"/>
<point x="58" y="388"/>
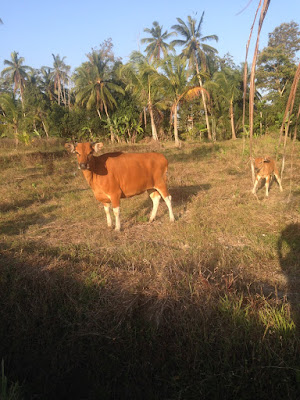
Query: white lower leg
<point x="108" y="217"/>
<point x="267" y="187"/>
<point x="155" y="197"/>
<point x="255" y="185"/>
<point x="169" y="205"/>
<point x="117" y="218"/>
<point x="279" y="182"/>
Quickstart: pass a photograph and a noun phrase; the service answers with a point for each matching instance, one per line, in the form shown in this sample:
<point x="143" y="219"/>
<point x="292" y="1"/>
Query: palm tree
<point x="16" y="72"/>
<point x="94" y="86"/>
<point x="228" y="86"/>
<point x="141" y="77"/>
<point x="195" y="50"/>
<point x="60" y="73"/>
<point x="46" y="83"/>
<point x="156" y="43"/>
<point x="178" y="87"/>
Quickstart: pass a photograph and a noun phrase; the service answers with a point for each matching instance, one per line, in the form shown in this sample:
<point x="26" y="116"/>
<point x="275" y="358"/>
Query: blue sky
<point x="70" y="28"/>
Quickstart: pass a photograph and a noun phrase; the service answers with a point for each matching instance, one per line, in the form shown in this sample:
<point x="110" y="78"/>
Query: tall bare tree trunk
<point x="252" y="82"/>
<point x="177" y="142"/>
<point x="45" y="129"/>
<point x="204" y="103"/>
<point x="287" y="115"/>
<point x="246" y="69"/>
<point x="232" y="120"/>
<point x="290" y="103"/>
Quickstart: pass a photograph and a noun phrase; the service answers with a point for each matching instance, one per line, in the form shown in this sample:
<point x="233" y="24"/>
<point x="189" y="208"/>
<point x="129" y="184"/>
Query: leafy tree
<point x="94" y="87"/>
<point x="46" y="83"/>
<point x="178" y="88"/>
<point x="275" y="71"/>
<point x="287" y="37"/>
<point x="276" y="68"/>
<point x="11" y="114"/>
<point x="195" y="50"/>
<point x="227" y="86"/>
<point x="157" y="42"/>
<point x="36" y="106"/>
<point x="141" y="79"/>
<point x="16" y="72"/>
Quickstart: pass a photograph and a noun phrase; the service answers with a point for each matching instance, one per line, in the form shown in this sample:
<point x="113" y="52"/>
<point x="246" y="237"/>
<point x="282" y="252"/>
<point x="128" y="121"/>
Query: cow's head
<point x="84" y="152"/>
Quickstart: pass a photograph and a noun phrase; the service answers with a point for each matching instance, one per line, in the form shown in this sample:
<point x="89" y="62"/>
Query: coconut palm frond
<point x="194" y="92"/>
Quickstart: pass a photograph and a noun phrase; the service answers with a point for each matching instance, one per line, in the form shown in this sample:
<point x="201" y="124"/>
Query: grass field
<point x="206" y="307"/>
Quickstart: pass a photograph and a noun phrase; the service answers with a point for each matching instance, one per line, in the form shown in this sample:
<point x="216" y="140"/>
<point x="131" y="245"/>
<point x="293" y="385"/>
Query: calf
<point x="265" y="168"/>
<point x="113" y="176"/>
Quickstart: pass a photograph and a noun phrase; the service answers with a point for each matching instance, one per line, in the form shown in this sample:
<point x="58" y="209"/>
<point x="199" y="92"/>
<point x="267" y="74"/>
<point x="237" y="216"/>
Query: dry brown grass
<point x="224" y="240"/>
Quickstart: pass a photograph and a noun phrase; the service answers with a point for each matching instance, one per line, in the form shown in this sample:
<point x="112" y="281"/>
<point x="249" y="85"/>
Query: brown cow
<point x="265" y="167"/>
<point x="113" y="176"/>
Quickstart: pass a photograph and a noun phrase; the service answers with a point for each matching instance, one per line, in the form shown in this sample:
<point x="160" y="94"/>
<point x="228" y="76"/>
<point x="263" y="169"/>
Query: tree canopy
<point x="178" y="87"/>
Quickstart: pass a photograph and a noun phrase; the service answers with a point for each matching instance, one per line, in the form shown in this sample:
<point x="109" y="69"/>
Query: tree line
<point x="178" y="88"/>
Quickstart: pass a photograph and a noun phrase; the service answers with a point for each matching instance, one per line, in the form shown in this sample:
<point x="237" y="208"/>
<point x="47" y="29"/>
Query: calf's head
<point x="84" y="152"/>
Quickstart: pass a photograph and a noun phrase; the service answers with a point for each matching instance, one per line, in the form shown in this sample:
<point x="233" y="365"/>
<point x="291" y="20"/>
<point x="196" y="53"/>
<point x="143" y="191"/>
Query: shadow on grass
<point x="6" y="207"/>
<point x="23" y="222"/>
<point x="289" y="257"/>
<point x="67" y="334"/>
<point x="6" y="161"/>
<point x="196" y="154"/>
<point x="183" y="194"/>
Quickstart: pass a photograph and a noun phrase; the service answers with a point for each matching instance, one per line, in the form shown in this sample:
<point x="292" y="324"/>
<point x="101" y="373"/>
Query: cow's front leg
<point x="107" y="212"/>
<point x="255" y="184"/>
<point x="116" y="211"/>
<point x="115" y="201"/>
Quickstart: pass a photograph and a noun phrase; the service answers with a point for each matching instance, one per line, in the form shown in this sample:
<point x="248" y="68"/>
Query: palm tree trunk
<point x="175" y="125"/>
<point x="145" y="117"/>
<point x="204" y="103"/>
<point x="153" y="127"/>
<point x="112" y="135"/>
<point x="45" y="129"/>
<point x="232" y="120"/>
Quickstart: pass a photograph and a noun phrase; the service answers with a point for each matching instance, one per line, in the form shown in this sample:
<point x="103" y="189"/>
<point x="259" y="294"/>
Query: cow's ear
<point x="70" y="147"/>
<point x="97" y="146"/>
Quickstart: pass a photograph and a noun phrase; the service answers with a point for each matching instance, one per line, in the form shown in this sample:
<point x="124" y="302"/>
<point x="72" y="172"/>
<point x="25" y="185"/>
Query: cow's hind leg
<point x="278" y="180"/>
<point x="163" y="191"/>
<point x="267" y="185"/>
<point x="155" y="197"/>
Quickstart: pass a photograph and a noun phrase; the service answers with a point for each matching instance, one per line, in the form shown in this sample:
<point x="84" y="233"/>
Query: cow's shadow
<point x="180" y="197"/>
<point x="289" y="257"/>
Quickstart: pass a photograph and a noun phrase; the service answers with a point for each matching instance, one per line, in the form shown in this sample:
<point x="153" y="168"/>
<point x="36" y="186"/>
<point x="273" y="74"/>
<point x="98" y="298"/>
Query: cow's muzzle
<point x="84" y="166"/>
